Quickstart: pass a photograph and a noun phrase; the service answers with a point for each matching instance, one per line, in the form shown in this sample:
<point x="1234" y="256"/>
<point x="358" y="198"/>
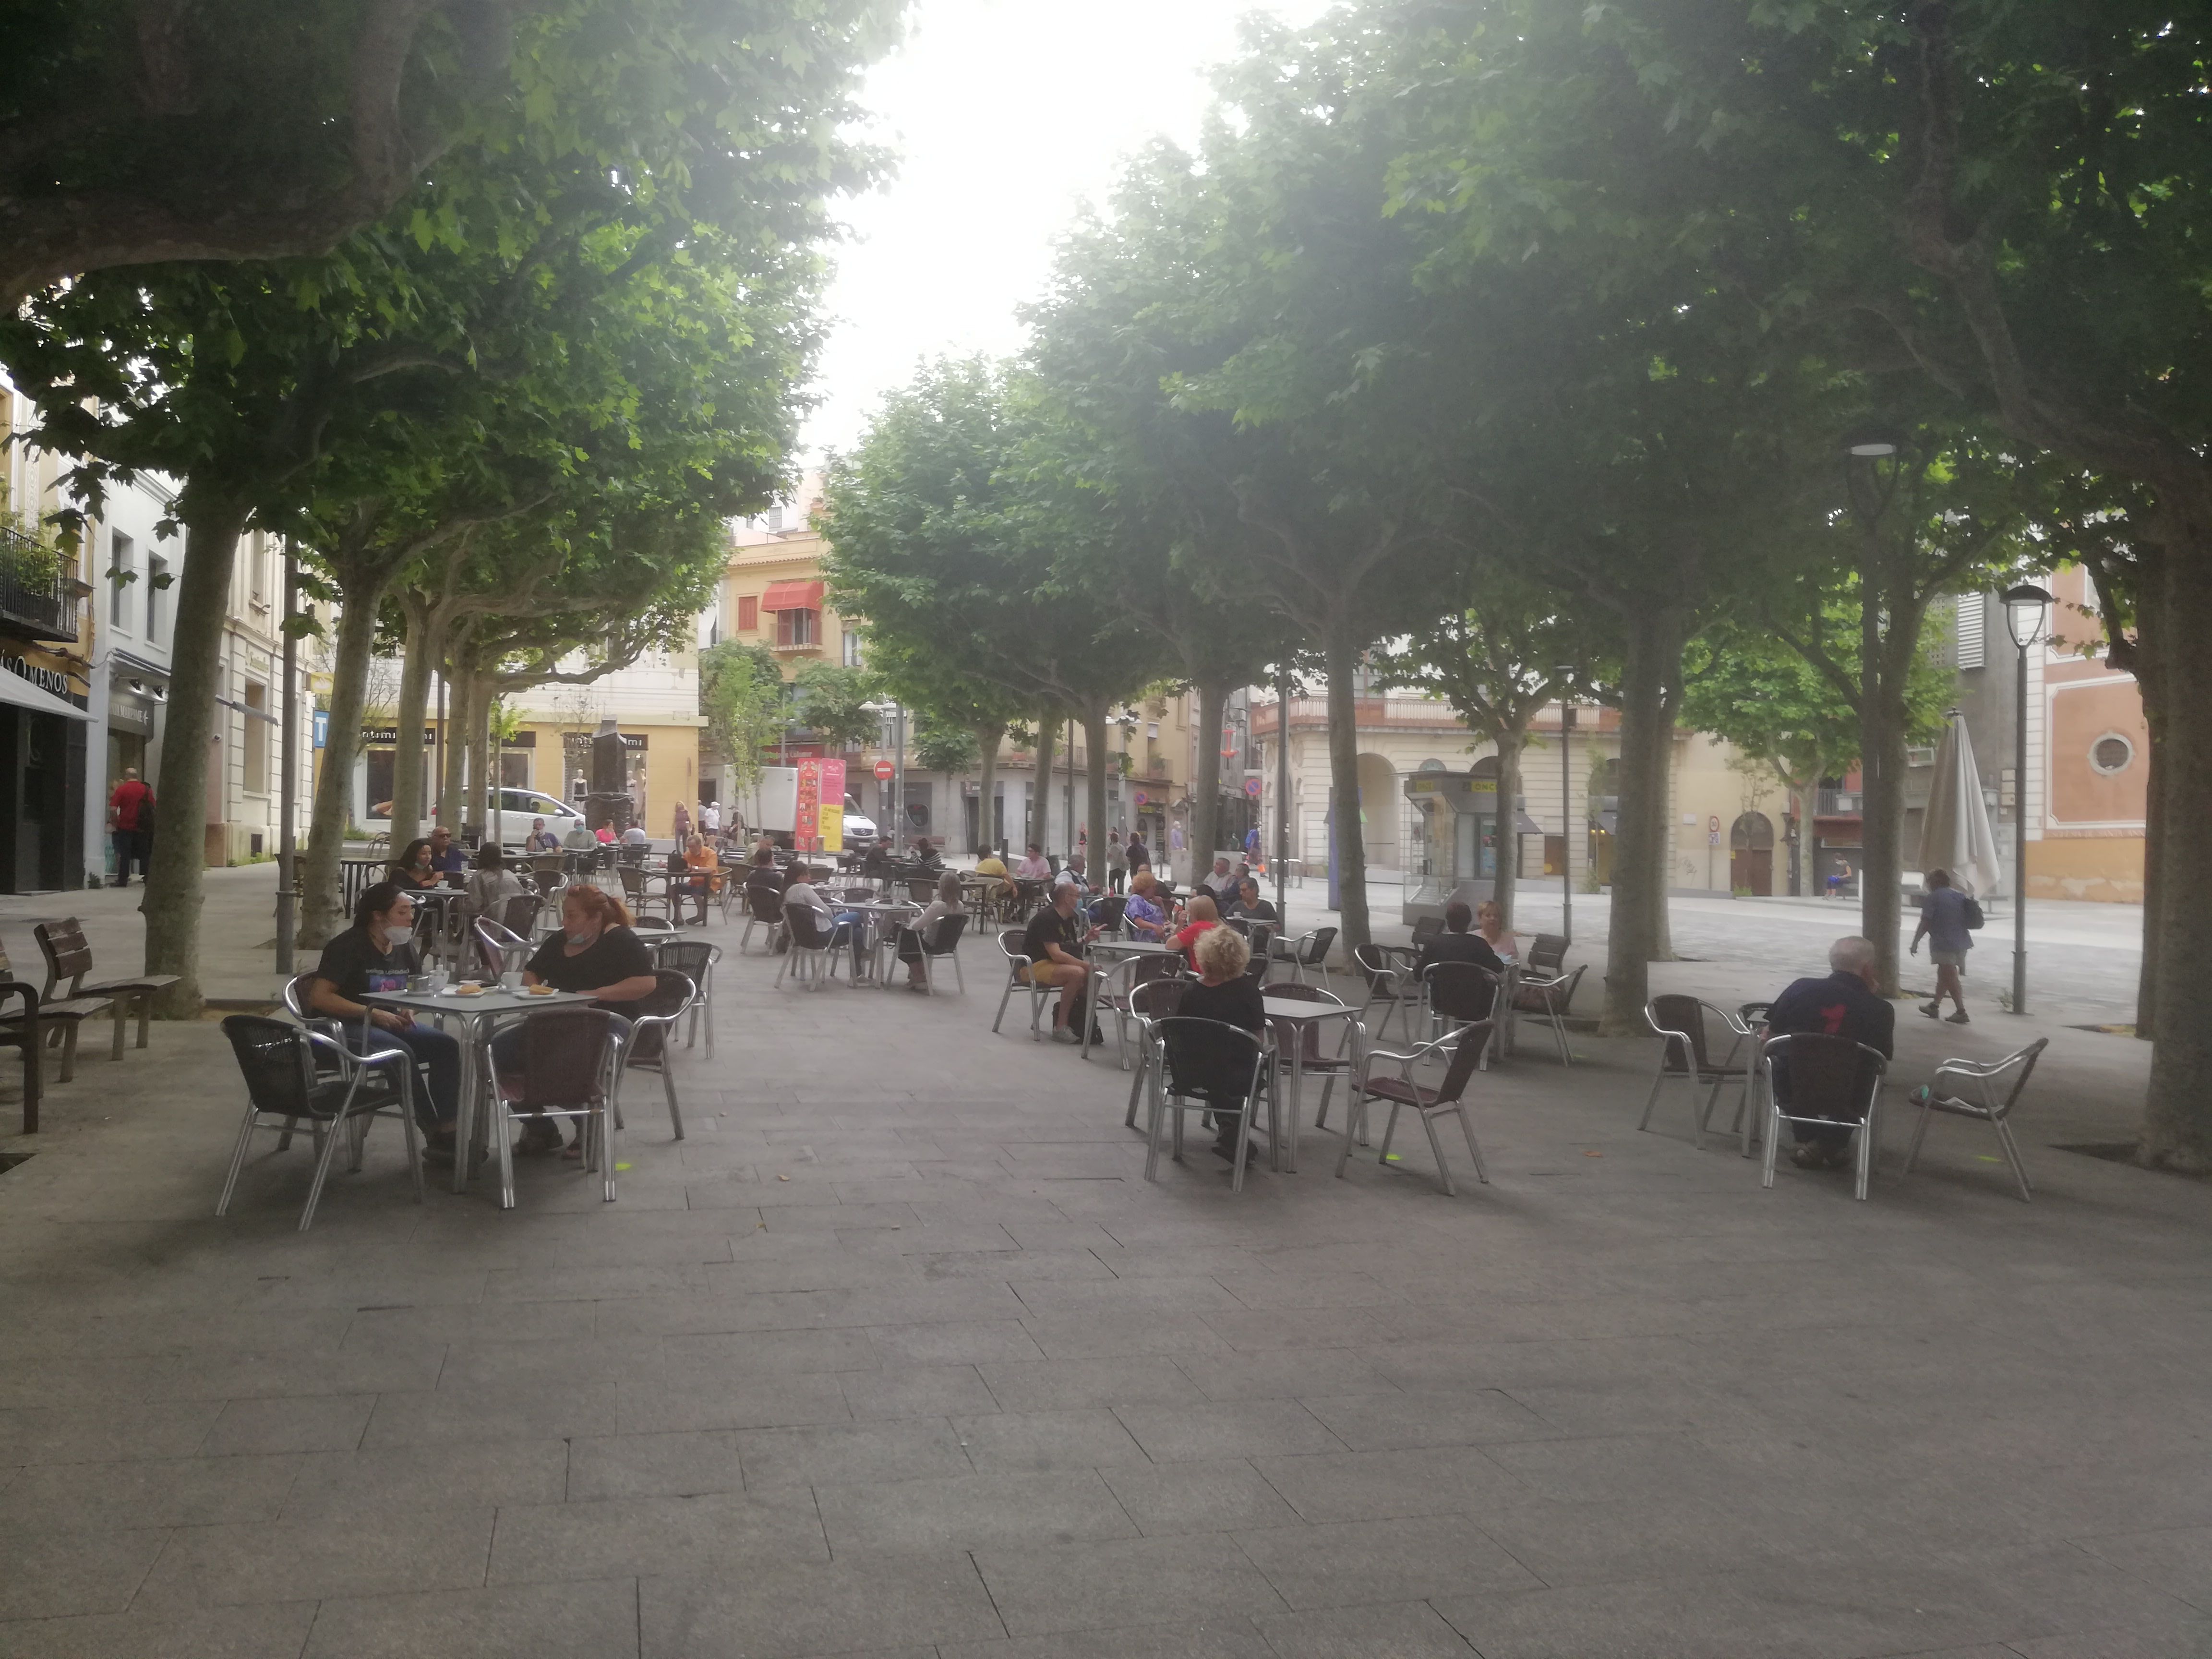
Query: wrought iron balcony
<point x="38" y="596"/>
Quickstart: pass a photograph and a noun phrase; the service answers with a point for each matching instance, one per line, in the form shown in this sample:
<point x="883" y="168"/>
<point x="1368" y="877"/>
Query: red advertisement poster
<point x="818" y="824"/>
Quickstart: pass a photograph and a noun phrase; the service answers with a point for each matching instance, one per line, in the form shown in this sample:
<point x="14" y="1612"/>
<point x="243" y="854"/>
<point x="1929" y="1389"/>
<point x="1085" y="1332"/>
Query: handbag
<point x="1975" y="919"/>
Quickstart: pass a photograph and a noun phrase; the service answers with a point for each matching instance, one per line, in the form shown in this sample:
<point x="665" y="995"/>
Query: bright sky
<point x="1007" y="114"/>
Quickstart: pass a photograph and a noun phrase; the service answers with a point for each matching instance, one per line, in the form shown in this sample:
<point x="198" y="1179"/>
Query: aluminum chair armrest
<point x="1977" y="1068"/>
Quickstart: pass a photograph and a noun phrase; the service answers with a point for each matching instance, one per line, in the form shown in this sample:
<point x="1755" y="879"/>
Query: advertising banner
<point x="819" y="822"/>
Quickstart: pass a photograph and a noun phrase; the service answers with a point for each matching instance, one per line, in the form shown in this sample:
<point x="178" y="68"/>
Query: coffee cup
<point x="511" y="980"/>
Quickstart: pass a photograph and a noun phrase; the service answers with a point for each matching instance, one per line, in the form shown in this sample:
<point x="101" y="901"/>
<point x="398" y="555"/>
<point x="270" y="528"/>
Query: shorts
<point x="1948" y="958"/>
<point x="1049" y="973"/>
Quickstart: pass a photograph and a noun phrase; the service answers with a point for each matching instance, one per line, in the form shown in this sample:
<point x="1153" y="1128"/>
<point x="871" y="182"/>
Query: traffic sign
<point x="884" y="770"/>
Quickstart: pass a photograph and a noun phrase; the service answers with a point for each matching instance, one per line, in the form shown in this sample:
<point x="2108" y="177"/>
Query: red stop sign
<point x="884" y="771"/>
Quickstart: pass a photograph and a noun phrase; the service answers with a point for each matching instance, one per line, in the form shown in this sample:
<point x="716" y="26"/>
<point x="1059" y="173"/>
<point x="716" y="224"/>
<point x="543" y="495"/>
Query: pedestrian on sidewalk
<point x="131" y="822"/>
<point x="1944" y="924"/>
<point x="682" y="825"/>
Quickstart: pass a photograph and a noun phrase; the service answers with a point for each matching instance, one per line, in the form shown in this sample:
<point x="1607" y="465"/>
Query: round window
<point x="2111" y="753"/>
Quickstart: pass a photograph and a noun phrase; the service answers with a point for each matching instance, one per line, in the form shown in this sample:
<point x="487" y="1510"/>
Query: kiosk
<point x="1451" y="839"/>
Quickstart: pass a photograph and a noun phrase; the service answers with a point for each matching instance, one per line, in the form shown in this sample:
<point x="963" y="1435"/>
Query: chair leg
<point x="1136" y="1083"/>
<point x="959" y="978"/>
<point x="407" y="1124"/>
<point x="1867" y="1132"/>
<point x="1773" y="1140"/>
<point x="668" y="1088"/>
<point x="1474" y="1151"/>
<point x="1157" y="1103"/>
<point x="1919" y="1134"/>
<point x="69" y="1050"/>
<point x="1390" y="1128"/>
<point x="237" y="1159"/>
<point x="1437" y="1147"/>
<point x="1005" y="997"/>
<point x="2012" y="1153"/>
<point x="502" y="1127"/>
<point x="1243" y="1147"/>
<point x="336" y="1131"/>
<point x="1652" y="1099"/>
<point x="606" y="1151"/>
<point x="145" y="1016"/>
<point x="1352" y="1103"/>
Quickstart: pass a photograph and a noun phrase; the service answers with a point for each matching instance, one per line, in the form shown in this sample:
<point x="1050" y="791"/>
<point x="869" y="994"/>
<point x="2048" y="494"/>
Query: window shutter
<point x="748" y="613"/>
<point x="1971" y="616"/>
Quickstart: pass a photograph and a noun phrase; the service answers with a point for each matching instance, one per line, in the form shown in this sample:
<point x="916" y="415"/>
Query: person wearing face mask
<point x="376" y="954"/>
<point x="595" y="954"/>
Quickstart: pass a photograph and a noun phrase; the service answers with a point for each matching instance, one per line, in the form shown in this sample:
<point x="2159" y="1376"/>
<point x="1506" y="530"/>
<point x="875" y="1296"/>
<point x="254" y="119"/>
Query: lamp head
<point x="2027" y="606"/>
<point x="1873" y="443"/>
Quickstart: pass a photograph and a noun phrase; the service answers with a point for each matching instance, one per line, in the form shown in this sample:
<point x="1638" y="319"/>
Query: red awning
<point x="791" y="596"/>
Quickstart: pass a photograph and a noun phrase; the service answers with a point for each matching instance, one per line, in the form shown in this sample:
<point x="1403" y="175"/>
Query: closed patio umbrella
<point x="1955" y="831"/>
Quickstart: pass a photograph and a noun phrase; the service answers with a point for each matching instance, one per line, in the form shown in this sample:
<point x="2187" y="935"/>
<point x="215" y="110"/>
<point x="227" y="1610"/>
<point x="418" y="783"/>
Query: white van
<point x="517" y="807"/>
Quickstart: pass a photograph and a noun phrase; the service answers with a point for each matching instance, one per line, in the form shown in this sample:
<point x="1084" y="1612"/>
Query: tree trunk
<point x="2151" y="682"/>
<point x="212" y="526"/>
<point x="987" y="739"/>
<point x="1342" y="649"/>
<point x="1510" y="746"/>
<point x="477" y="796"/>
<point x="1206" y="786"/>
<point x="1652" y="661"/>
<point x="2178" y="1112"/>
<point x="1094" y="769"/>
<point x="457" y="724"/>
<point x="1662" y="840"/>
<point x="1041" y="797"/>
<point x="1881" y="815"/>
<point x="407" y="757"/>
<point x="322" y="906"/>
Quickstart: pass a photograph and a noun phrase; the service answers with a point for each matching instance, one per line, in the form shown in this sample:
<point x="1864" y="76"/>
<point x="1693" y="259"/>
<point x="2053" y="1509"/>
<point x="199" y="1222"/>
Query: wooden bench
<point x="69" y="955"/>
<point x="21" y="1031"/>
<point x="58" y="1021"/>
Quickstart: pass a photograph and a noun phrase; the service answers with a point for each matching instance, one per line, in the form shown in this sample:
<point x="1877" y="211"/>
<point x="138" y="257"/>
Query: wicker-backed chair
<point x="564" y="1067"/>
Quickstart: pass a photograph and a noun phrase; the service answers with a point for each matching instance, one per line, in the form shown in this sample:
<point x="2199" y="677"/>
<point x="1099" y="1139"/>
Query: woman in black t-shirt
<point x="1223" y="992"/>
<point x="595" y="954"/>
<point x="373" y="955"/>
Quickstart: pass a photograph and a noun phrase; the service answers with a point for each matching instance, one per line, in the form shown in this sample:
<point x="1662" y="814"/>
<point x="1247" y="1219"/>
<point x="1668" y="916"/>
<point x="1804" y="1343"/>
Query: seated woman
<point x="912" y="935"/>
<point x="1204" y="918"/>
<point x="492" y="883"/>
<point x="1222" y="992"/>
<point x="376" y="954"/>
<point x="992" y="865"/>
<point x="414" y="868"/>
<point x="1146" y="917"/>
<point x="1490" y="924"/>
<point x="595" y="954"/>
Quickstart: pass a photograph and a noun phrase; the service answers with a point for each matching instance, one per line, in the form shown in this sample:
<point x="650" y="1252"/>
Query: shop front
<point x="45" y="746"/>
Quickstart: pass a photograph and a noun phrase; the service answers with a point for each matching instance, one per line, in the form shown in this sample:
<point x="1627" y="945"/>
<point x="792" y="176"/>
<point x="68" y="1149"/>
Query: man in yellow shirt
<point x="992" y="865"/>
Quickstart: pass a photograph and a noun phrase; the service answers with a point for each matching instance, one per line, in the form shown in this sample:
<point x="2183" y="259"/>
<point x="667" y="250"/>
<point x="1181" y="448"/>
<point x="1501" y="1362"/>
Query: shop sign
<point x="46" y="679"/>
<point x="322" y="728"/>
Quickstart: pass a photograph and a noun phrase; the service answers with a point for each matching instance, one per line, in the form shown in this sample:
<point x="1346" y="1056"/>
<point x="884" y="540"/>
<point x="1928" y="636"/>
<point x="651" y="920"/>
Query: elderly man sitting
<point x="1844" y="1004"/>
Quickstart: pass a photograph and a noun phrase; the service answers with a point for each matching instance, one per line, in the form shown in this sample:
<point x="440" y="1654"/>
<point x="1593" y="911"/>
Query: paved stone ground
<point x="897" y="1355"/>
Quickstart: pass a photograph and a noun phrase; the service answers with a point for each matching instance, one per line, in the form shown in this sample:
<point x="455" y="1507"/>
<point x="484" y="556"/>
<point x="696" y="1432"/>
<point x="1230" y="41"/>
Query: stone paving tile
<point x="651" y="1465"/>
<point x="311" y="1422"/>
<point x="1410" y="1558"/>
<point x="701" y="1535"/>
<point x="356" y="1555"/>
<point x="904" y="1449"/>
<point x="1402" y="1630"/>
<point x="580" y="1615"/>
<point x="54" y="1575"/>
<point x="170" y="1492"/>
<point x="1257" y="1428"/>
<point x="96" y="1431"/>
<point x="1065" y="1383"/>
<point x="1378" y="1485"/>
<point x="1375" y="1420"/>
<point x="763" y="1400"/>
<point x="954" y="1342"/>
<point x="1041" y="1441"/>
<point x="845" y="1608"/>
<point x="1046" y="1588"/>
<point x="1284" y="1374"/>
<point x="272" y="1631"/>
<point x="915" y="1391"/>
<point x="1171" y="1498"/>
<point x="971" y="1512"/>
<point x="1222" y="1638"/>
<point x="400" y="1479"/>
<point x="2178" y="1560"/>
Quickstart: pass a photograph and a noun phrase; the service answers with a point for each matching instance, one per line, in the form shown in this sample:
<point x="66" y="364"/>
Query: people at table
<point x="377" y="953"/>
<point x="1200" y="916"/>
<point x="1250" y="906"/>
<point x="635" y="837"/>
<point x="1490" y="926"/>
<point x="991" y="866"/>
<point x="1458" y="942"/>
<point x="1846" y="1004"/>
<point x="604" y="834"/>
<point x="412" y="869"/>
<point x="1220" y="1068"/>
<point x="925" y="855"/>
<point x="843" y="927"/>
<point x="922" y="930"/>
<point x="876" y="862"/>
<point x="540" y="839"/>
<point x="1033" y="865"/>
<point x="701" y="858"/>
<point x="596" y="954"/>
<point x="446" y="859"/>
<point x="1219" y="883"/>
<point x="1944" y="925"/>
<point x="492" y="883"/>
<point x="1054" y="942"/>
<point x="1145" y="916"/>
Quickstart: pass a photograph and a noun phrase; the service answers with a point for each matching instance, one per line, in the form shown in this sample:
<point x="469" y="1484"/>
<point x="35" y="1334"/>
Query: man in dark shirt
<point x="1053" y="942"/>
<point x="1844" y="1004"/>
<point x="445" y="858"/>
<point x="1458" y="944"/>
<point x="1248" y="902"/>
<point x="1139" y="858"/>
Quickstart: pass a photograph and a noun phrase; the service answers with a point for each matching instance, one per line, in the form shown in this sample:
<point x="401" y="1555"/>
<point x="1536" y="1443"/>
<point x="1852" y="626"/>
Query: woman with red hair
<point x="595" y="954"/>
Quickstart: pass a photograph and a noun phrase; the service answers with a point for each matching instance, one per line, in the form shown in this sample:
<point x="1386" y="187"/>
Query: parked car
<point x="517" y="808"/>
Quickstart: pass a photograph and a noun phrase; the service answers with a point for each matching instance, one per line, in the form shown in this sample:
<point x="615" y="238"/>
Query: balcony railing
<point x="1836" y="803"/>
<point x="38" y="594"/>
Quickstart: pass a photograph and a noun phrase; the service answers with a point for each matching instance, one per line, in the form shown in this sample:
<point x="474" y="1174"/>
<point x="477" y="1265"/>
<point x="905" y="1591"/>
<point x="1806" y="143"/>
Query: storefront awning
<point x="791" y="596"/>
<point x="248" y="710"/>
<point x="1606" y="822"/>
<point x="1523" y="825"/>
<point x="14" y="688"/>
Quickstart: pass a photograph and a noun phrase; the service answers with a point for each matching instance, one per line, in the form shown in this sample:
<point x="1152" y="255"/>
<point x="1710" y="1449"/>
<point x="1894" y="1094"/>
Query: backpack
<point x="1975" y="919"/>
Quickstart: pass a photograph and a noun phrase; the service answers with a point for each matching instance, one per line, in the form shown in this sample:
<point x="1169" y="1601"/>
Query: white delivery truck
<point x="773" y="805"/>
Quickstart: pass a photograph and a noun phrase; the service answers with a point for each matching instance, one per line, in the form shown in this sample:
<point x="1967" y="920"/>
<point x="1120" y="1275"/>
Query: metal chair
<point x="1388" y="987"/>
<point x="1310" y="1059"/>
<point x="1307" y="950"/>
<point x="1425" y="929"/>
<point x="650" y="1044"/>
<point x="1199" y="1066"/>
<point x="1546" y="992"/>
<point x="810" y="940"/>
<point x="638" y="894"/>
<point x="1982" y="1081"/>
<point x="1149" y="1001"/>
<point x="1018" y="974"/>
<point x="764" y="909"/>
<point x="567" y="1066"/>
<point x="1680" y="1022"/>
<point x="1113" y="986"/>
<point x="503" y="950"/>
<point x="1108" y="913"/>
<point x="695" y="958"/>
<point x="293" y="1072"/>
<point x="942" y="943"/>
<point x="1450" y="1095"/>
<point x="1832" y="1080"/>
<point x="1462" y="993"/>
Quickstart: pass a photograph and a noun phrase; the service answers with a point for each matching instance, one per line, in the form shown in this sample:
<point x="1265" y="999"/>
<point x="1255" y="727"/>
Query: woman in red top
<point x="1203" y="915"/>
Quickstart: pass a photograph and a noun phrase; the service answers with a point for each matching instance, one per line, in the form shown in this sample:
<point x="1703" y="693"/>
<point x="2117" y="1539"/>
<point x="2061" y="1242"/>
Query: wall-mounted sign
<point x="1252" y="788"/>
<point x="46" y="679"/>
<point x="322" y="728"/>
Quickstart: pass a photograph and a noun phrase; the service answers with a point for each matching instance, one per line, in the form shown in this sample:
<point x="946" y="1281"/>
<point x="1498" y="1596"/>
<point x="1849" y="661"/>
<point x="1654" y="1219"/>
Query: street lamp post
<point x="2026" y="608"/>
<point x="1562" y="673"/>
<point x="1283" y="788"/>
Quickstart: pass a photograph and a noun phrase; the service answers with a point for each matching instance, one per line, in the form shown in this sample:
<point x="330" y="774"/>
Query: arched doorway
<point x="1750" y="856"/>
<point x="1378" y="810"/>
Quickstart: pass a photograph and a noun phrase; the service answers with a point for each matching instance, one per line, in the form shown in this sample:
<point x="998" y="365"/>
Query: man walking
<point x="131" y="822"/>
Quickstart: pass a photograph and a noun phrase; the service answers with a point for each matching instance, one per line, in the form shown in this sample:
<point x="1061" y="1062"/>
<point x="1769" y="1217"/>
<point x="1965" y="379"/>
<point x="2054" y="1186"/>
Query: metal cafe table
<point x="877" y="914"/>
<point x="1126" y="953"/>
<point x="1291" y="1016"/>
<point x="477" y="1016"/>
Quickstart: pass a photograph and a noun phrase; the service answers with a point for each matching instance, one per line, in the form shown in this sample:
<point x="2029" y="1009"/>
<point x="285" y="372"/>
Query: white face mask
<point x="398" y="934"/>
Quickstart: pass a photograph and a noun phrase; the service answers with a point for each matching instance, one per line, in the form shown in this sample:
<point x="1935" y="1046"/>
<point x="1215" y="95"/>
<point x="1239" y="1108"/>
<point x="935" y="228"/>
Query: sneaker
<point x="1809" y="1155"/>
<point x="1061" y="1033"/>
<point x="1959" y="1018"/>
<point x="1933" y="1010"/>
<point x="1840" y="1156"/>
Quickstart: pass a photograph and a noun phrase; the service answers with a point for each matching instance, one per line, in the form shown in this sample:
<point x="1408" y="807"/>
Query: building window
<point x="794" y="627"/>
<point x="2111" y="753"/>
<point x="749" y="614"/>
<point x="1968" y="634"/>
<point x="157" y="585"/>
<point x="775" y="520"/>
<point x="257" y="739"/>
<point x="122" y="567"/>
<point x="853" y="648"/>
